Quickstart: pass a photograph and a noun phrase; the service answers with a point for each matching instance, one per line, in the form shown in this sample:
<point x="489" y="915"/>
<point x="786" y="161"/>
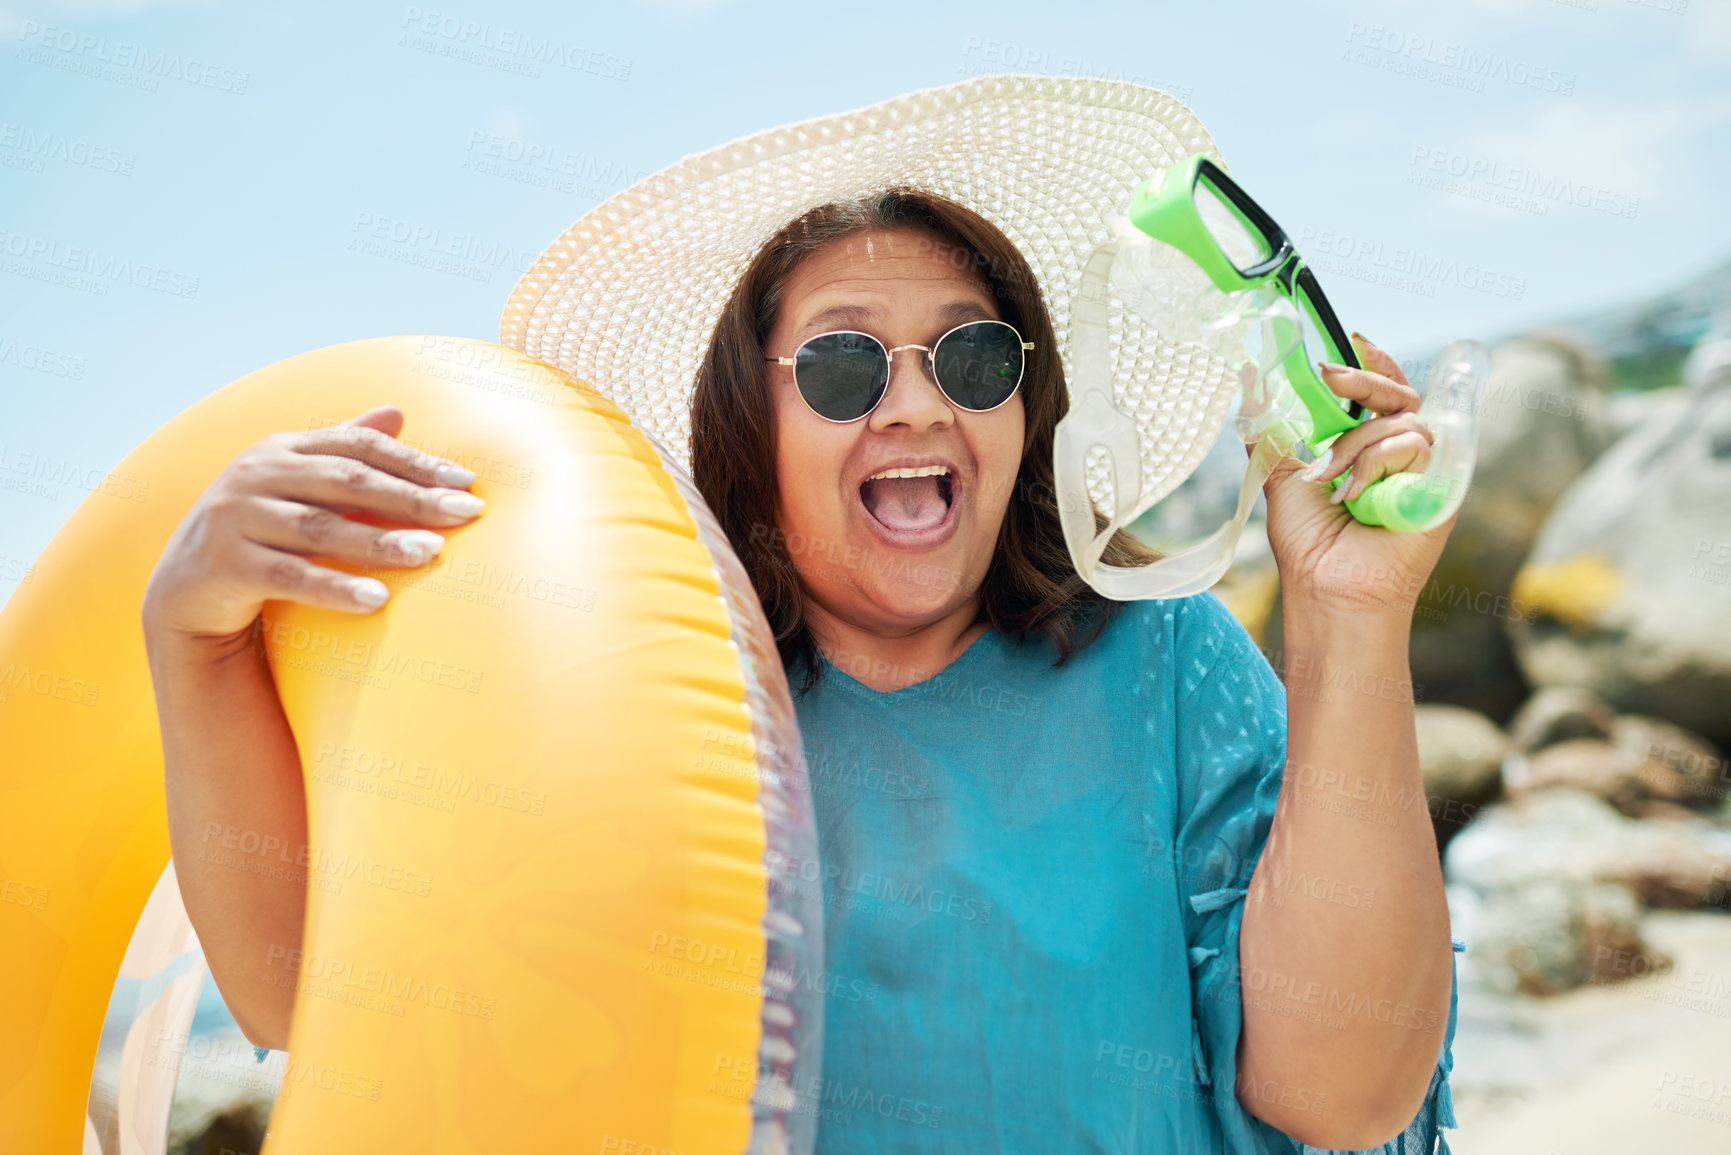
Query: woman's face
<point x="890" y="555"/>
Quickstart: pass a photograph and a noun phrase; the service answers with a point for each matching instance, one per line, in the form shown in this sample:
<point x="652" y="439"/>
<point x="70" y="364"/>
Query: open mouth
<point x="910" y="500"/>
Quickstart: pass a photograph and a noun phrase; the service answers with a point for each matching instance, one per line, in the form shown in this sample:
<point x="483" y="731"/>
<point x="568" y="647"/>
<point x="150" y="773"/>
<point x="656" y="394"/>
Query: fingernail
<point x="369" y="592"/>
<point x="460" y="504"/>
<point x="1330" y="367"/>
<point x="453" y="475"/>
<point x="1339" y="494"/>
<point x="1319" y="466"/>
<point x="418" y="544"/>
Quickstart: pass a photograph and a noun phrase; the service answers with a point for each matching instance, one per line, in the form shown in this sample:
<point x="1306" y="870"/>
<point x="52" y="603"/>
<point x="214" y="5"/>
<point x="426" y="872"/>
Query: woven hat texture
<point x="627" y="297"/>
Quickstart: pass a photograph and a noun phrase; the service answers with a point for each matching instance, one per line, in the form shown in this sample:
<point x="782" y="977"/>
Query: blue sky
<point x="1453" y="168"/>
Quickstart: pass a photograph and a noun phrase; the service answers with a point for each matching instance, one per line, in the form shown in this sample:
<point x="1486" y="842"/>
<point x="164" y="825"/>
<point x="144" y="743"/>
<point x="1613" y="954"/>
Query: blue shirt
<point x="1033" y="883"/>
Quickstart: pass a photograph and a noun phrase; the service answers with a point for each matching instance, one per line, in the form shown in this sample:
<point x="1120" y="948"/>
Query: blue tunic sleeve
<point x="1231" y="745"/>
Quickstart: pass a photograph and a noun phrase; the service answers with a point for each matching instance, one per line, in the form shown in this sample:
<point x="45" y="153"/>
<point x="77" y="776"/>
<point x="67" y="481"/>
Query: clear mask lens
<point x="1205" y="501"/>
<point x="1255" y="332"/>
<point x="1244" y="246"/>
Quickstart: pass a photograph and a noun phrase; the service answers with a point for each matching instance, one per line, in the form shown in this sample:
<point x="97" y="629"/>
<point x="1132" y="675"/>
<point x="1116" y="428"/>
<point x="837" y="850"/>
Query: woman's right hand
<point x="280" y="502"/>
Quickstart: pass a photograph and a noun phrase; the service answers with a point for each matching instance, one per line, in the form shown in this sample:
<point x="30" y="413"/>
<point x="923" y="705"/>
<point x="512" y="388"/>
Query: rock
<point x="1627" y="591"/>
<point x="1558" y="714"/>
<point x="1709" y="362"/>
<point x="1543" y="423"/>
<point x="1531" y="838"/>
<point x="1561" y="834"/>
<point x="1459" y="751"/>
<point x="1553" y="936"/>
<point x="1588" y="764"/>
<point x="1670" y="868"/>
<point x="1676" y="765"/>
<point x="1663" y="811"/>
<point x="1547" y="888"/>
<point x="1608" y="922"/>
<point x="238" y="1127"/>
<point x="1645" y="766"/>
<point x="1460" y="756"/>
<point x="1629" y="408"/>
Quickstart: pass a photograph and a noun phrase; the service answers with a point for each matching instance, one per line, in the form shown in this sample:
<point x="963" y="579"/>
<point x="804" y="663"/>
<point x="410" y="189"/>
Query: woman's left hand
<point x="1326" y="558"/>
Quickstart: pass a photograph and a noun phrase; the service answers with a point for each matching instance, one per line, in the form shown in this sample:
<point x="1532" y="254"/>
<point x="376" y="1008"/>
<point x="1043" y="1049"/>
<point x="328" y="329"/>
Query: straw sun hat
<point x="627" y="297"/>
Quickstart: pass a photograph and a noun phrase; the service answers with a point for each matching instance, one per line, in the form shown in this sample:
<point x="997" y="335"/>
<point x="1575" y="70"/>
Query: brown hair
<point x="1031" y="584"/>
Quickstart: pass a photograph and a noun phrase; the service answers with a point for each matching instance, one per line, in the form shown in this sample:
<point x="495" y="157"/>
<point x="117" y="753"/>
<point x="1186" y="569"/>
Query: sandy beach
<point x="1639" y="1066"/>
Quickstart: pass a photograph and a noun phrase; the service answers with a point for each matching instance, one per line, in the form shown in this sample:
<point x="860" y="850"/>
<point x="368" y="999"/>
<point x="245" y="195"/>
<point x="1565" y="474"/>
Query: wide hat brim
<point x="627" y="298"/>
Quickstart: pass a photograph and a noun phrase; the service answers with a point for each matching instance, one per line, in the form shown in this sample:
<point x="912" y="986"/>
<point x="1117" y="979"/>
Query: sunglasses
<point x="843" y="375"/>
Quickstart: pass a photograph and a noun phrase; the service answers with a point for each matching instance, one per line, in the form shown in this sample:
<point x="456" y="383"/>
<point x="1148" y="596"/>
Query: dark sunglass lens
<point x="841" y="375"/>
<point x="979" y="365"/>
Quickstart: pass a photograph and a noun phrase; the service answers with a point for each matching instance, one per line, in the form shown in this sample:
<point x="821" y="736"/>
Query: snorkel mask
<point x="1205" y="265"/>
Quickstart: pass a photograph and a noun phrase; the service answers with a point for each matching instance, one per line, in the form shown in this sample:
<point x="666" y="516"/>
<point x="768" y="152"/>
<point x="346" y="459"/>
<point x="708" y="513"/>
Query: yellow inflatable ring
<point x="543" y="785"/>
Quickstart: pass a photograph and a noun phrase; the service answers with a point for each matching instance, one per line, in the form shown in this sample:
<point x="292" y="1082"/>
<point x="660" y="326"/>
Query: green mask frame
<point x="1253" y="282"/>
<point x="1203" y="213"/>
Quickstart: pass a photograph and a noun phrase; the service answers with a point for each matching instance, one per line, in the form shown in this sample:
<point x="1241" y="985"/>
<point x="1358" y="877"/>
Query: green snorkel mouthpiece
<point x="1204" y="264"/>
<point x="1415" y="502"/>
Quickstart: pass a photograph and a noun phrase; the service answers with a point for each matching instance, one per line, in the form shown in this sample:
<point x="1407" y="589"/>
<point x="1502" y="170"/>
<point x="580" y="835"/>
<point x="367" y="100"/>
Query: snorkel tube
<point x="1260" y="333"/>
<point x="1415" y="502"/>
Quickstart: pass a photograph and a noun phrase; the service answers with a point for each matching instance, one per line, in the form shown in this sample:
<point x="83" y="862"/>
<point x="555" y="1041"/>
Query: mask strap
<point x="1095" y="421"/>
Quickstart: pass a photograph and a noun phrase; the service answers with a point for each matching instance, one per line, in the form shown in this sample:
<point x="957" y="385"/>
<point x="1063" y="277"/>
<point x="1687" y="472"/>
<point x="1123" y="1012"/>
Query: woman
<point x="1061" y="854"/>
